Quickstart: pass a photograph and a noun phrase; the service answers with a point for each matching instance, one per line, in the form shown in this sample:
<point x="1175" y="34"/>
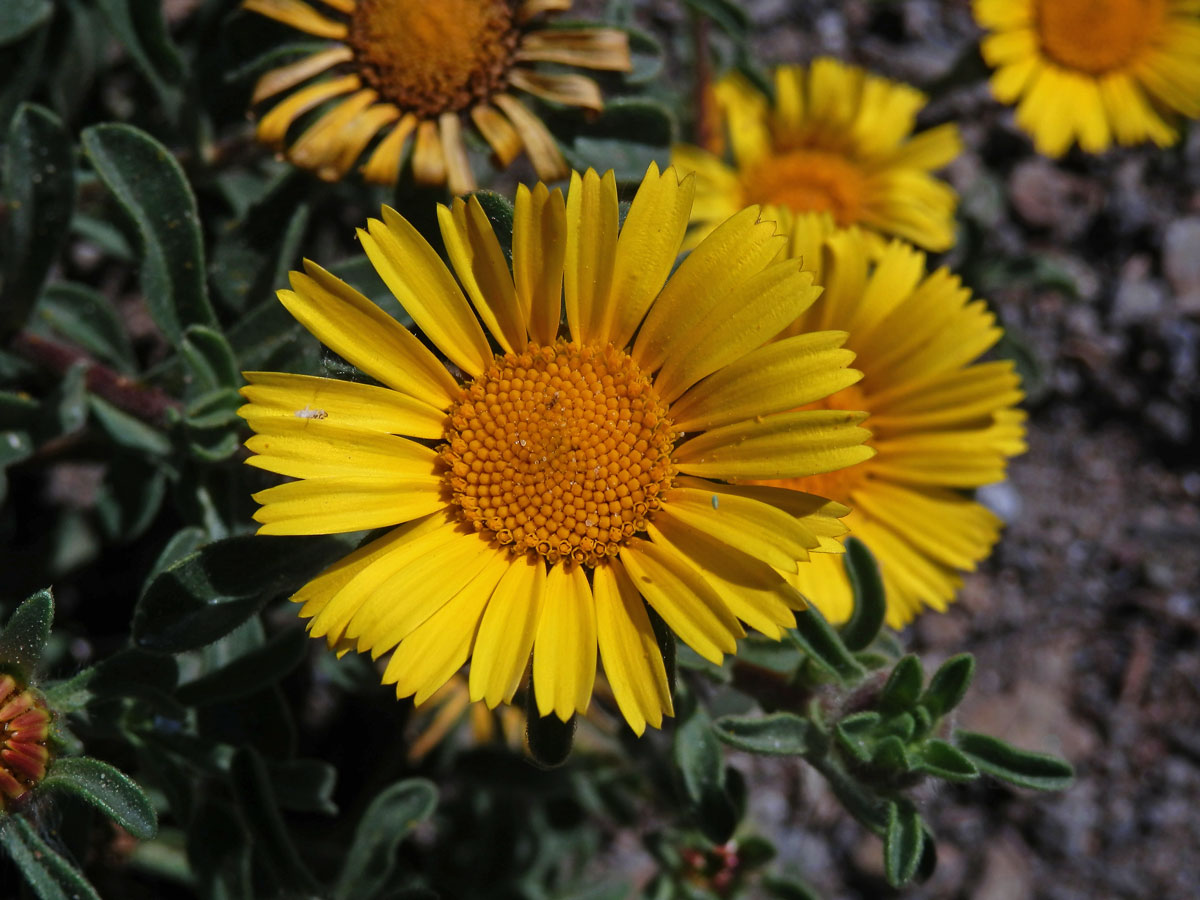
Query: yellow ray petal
<point x="741" y="321"/>
<point x="539" y="250"/>
<point x="479" y="263"/>
<point x="435" y="650"/>
<point x="383" y="166"/>
<point x="429" y="158"/>
<point x="589" y="48"/>
<point x="564" y="655"/>
<point x="426" y="289"/>
<point x="591" y="252"/>
<point x="788" y="445"/>
<point x="321" y="141"/>
<point x="507" y="630"/>
<point x="500" y="135"/>
<point x="646" y="250"/>
<point x="364" y="335"/>
<point x="336" y="504"/>
<point x="751" y="589"/>
<point x="355" y="138"/>
<point x="310" y="447"/>
<point x="821" y="518"/>
<point x="737" y="250"/>
<point x="543" y="151"/>
<point x="679" y="593"/>
<point x="459" y="178"/>
<point x="343" y="403"/>
<point x="569" y="89"/>
<point x="274" y="125"/>
<point x="777" y="377"/>
<point x="299" y="15"/>
<point x="632" y="661"/>
<point x="745" y="110"/>
<point x="757" y="529"/>
<point x="285" y="77"/>
<point x="823" y="582"/>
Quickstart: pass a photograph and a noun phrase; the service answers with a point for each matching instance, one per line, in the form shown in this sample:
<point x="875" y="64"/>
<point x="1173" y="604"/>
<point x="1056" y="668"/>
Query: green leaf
<point x="249" y="672"/>
<point x="86" y="318"/>
<point x="182" y="543"/>
<point x="209" y="360"/>
<point x="128" y="431"/>
<point x="550" y="739"/>
<point x="304" y="785"/>
<point x="39" y="194"/>
<point x="140" y="28"/>
<point x="392" y="815"/>
<point x="701" y="764"/>
<point x="500" y="212"/>
<point x="853" y="731"/>
<point x="21" y="69"/>
<point x="26" y="634"/>
<point x="626" y="137"/>
<point x="943" y="760"/>
<point x="209" y="593"/>
<point x="1024" y="768"/>
<point x="48" y="874"/>
<point x="870" y="601"/>
<point x="903" y="687"/>
<point x="779" y="734"/>
<point x="219" y="848"/>
<point x="789" y="888"/>
<point x="152" y="189"/>
<point x="108" y="789"/>
<point x="949" y="685"/>
<point x="19" y="17"/>
<point x="729" y="16"/>
<point x="817" y="638"/>
<point x="259" y="809"/>
<point x="890" y="755"/>
<point x="901" y="725"/>
<point x="903" y="843"/>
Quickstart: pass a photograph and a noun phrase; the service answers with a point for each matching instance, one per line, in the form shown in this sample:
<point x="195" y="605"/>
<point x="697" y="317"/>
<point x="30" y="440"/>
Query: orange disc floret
<point x="24" y="728"/>
<point x="564" y="450"/>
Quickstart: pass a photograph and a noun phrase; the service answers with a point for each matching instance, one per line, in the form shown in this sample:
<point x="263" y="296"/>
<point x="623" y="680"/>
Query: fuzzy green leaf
<point x="779" y="734"/>
<point x="26" y="634"/>
<point x="209" y="360"/>
<point x="210" y="592"/>
<point x="260" y="811"/>
<point x="903" y="843"/>
<point x="870" y="601"/>
<point x="389" y="819"/>
<point x="890" y="754"/>
<point x="249" y="672"/>
<point x="304" y="785"/>
<point x="127" y="431"/>
<point x="86" y="318"/>
<point x="730" y="17"/>
<point x="701" y="764"/>
<point x="140" y="28"/>
<point x="19" y="17"/>
<point x="48" y="874"/>
<point x="816" y="637"/>
<point x="108" y="789"/>
<point x="39" y="194"/>
<point x="903" y="687"/>
<point x="944" y="760"/>
<point x="1024" y="768"/>
<point x="151" y="187"/>
<point x="949" y="685"/>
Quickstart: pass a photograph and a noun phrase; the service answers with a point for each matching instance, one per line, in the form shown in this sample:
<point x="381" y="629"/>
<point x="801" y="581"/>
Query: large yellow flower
<point x="548" y="480"/>
<point x="941" y="423"/>
<point x="405" y="66"/>
<point x="836" y="139"/>
<point x="1094" y="71"/>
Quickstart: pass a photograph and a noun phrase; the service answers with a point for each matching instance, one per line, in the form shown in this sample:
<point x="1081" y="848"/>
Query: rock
<point x="1181" y="262"/>
<point x="1006" y="873"/>
<point x="1139" y="297"/>
<point x="1046" y="196"/>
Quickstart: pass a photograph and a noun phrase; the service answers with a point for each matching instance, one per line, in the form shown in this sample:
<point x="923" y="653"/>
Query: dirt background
<point x="1084" y="622"/>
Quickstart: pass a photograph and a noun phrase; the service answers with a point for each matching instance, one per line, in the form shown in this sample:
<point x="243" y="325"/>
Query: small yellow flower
<point x="1094" y="72"/>
<point x="941" y="423"/>
<point x="836" y="139"/>
<point x="555" y="479"/>
<point x="400" y="67"/>
<point x="24" y="728"/>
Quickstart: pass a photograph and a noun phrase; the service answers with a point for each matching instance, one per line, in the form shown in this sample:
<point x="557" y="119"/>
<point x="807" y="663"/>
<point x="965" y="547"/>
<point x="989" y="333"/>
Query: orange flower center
<point x="563" y="450"/>
<point x="808" y="180"/>
<point x="839" y="484"/>
<point x="434" y="56"/>
<point x="1097" y="36"/>
<point x="24" y="727"/>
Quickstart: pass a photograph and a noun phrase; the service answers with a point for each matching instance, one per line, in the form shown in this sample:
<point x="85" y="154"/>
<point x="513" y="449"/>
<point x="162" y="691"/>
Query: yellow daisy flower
<point x="400" y="67"/>
<point x="941" y="423"/>
<point x="1094" y="72"/>
<point x="547" y="484"/>
<point x="836" y="139"/>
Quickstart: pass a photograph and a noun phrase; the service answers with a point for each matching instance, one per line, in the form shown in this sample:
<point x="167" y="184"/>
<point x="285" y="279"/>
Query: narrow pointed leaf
<point x="260" y="811"/>
<point x="903" y="687"/>
<point x="249" y="672"/>
<point x="389" y="819"/>
<point x="1024" y="768"/>
<point x="949" y="685"/>
<point x="870" y="602"/>
<point x="108" y="789"/>
<point x="816" y="637"/>
<point x="26" y="633"/>
<point x="49" y="875"/>
<point x="944" y="760"/>
<point x="903" y="843"/>
<point x="779" y="734"/>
